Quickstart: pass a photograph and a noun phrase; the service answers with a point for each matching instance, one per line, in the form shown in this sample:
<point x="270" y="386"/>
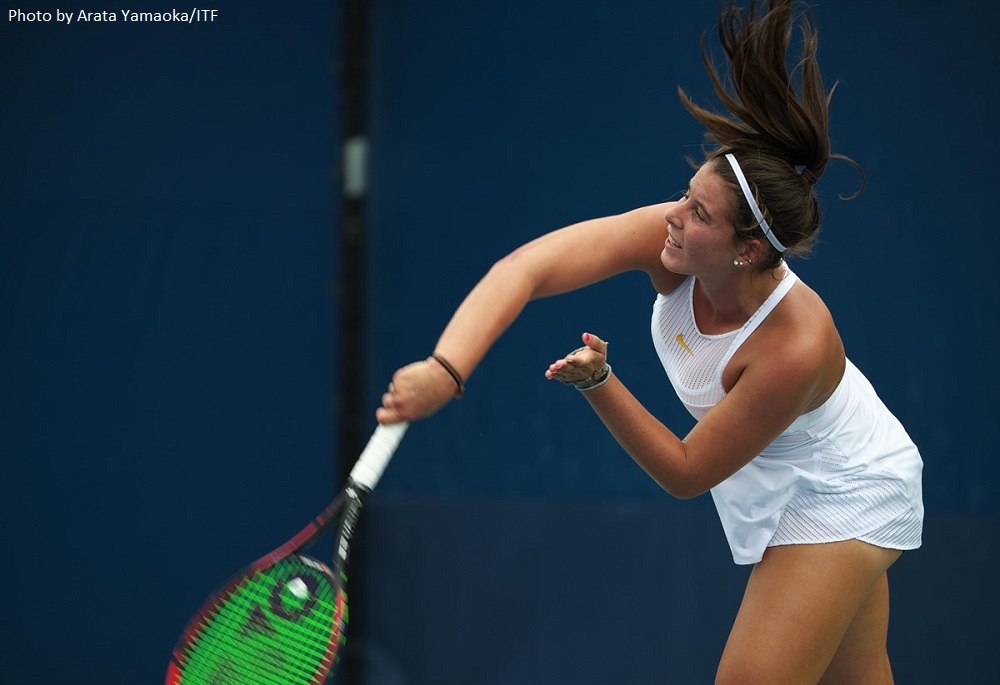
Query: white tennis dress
<point x="846" y="470"/>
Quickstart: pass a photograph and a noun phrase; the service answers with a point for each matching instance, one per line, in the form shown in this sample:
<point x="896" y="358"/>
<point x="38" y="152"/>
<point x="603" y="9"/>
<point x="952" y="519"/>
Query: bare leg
<point x="862" y="658"/>
<point x="800" y="604"/>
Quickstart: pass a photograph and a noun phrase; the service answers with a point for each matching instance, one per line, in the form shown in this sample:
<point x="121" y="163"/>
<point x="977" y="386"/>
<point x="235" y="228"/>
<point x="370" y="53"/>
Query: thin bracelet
<point x="452" y="372"/>
<point x="592" y="382"/>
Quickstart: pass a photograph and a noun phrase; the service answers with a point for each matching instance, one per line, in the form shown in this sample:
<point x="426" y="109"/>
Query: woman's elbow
<point x="683" y="491"/>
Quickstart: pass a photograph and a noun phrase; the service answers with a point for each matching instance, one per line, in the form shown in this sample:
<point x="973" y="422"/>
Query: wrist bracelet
<point x="599" y="378"/>
<point x="456" y="376"/>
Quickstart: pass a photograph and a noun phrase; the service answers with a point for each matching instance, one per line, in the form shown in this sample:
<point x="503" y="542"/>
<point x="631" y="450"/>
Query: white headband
<point x="753" y="203"/>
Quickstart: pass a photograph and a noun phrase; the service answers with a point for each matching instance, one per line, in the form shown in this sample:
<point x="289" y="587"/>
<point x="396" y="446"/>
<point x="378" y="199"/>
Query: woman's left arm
<point x="770" y="394"/>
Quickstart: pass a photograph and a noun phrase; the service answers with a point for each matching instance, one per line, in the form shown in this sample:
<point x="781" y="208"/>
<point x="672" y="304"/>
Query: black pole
<point x="351" y="365"/>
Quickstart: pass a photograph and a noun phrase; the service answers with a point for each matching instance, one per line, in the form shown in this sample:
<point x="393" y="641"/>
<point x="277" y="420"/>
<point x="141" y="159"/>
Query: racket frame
<point x="345" y="510"/>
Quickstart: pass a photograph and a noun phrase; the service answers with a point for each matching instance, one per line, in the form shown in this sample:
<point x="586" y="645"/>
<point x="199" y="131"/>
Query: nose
<point x="671" y="215"/>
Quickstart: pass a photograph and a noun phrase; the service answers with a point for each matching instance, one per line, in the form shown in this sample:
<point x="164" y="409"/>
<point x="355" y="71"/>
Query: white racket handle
<point x="377" y="453"/>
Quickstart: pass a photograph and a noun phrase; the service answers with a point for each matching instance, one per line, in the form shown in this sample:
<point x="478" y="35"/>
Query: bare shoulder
<point x="797" y="343"/>
<point x="801" y="345"/>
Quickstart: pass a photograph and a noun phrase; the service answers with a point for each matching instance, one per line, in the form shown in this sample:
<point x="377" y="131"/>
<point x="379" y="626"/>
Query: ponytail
<point x="776" y="126"/>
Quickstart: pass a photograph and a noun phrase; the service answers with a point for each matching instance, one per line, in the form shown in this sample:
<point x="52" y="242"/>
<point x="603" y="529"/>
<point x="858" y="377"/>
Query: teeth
<point x="672" y="241"/>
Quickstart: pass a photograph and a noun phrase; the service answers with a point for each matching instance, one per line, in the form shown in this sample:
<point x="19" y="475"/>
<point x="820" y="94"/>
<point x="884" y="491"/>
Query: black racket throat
<point x="354" y="500"/>
<point x="345" y="508"/>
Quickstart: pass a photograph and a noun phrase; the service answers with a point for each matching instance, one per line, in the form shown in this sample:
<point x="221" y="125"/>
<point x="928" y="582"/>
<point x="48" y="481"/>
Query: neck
<point x="726" y="303"/>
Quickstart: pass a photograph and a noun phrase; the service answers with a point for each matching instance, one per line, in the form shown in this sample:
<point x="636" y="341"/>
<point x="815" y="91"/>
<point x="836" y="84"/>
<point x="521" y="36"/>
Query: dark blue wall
<point x="167" y="255"/>
<point x="169" y="347"/>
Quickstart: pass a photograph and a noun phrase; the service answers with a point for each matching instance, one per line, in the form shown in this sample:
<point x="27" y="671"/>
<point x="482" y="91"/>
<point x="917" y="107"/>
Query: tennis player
<point x="816" y="483"/>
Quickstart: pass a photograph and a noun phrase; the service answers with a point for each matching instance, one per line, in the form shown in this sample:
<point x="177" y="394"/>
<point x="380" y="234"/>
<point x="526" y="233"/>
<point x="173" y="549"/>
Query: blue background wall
<point x="169" y="355"/>
<point x="167" y="252"/>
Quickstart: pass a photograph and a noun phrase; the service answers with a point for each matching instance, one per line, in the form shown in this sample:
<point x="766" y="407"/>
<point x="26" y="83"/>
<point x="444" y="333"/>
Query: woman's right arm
<point x="558" y="262"/>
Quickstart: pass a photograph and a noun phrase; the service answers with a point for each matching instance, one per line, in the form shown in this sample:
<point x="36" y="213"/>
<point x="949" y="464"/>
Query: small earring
<point x="738" y="263"/>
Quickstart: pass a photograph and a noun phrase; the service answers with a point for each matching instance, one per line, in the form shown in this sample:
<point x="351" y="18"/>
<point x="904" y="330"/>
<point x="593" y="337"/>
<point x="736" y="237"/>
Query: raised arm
<point x="561" y="261"/>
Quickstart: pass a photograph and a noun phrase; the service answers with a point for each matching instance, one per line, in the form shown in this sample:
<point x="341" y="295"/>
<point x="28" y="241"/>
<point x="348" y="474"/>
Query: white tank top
<point x="842" y="471"/>
<point x="693" y="360"/>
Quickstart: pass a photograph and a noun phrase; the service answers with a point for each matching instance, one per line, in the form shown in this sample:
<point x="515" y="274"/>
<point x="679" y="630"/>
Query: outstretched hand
<point x="582" y="364"/>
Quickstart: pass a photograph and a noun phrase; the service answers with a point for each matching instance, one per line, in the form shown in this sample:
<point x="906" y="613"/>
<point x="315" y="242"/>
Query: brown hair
<point x="777" y="121"/>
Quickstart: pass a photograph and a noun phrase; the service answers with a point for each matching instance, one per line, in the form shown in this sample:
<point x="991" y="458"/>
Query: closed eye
<point x="696" y="212"/>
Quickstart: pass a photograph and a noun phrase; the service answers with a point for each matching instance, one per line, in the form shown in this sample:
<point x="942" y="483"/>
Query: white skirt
<point x="844" y="471"/>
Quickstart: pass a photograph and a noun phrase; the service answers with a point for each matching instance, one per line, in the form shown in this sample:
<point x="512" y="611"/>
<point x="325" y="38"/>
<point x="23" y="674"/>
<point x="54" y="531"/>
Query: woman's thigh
<point x="861" y="658"/>
<point x="800" y="602"/>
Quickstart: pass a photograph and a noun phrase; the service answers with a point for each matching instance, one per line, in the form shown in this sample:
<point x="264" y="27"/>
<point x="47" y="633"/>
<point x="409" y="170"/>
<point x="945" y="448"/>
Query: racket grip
<point x="375" y="457"/>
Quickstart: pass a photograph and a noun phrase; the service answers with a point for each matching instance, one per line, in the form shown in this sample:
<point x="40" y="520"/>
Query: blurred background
<point x="197" y="325"/>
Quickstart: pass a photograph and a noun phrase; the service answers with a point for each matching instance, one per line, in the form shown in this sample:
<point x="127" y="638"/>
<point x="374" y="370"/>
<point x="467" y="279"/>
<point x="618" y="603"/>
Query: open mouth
<point x="672" y="242"/>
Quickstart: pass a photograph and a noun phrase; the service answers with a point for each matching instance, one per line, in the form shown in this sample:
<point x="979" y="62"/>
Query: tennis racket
<point x="281" y="620"/>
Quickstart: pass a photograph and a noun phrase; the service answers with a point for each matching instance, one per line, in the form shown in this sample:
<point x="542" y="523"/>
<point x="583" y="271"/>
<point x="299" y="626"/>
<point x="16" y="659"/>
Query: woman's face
<point x="701" y="238"/>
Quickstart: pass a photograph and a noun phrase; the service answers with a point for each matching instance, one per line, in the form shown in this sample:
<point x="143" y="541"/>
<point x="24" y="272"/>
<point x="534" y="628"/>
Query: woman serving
<point x="815" y="481"/>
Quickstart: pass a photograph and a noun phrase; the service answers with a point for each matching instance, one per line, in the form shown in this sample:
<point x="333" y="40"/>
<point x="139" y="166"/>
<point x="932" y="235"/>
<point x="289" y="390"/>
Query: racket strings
<point x="295" y="660"/>
<point x="250" y="664"/>
<point x="233" y="645"/>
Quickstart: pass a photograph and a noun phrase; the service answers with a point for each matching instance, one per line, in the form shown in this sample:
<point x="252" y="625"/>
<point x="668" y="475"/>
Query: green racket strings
<point x="273" y="628"/>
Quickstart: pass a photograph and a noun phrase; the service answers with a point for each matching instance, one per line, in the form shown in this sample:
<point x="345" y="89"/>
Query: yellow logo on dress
<point x="680" y="341"/>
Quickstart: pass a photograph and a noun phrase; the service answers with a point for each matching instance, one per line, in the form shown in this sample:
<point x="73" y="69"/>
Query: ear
<point x="750" y="251"/>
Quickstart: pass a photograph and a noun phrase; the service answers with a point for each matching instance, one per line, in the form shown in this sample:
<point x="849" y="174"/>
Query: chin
<point x="670" y="264"/>
<point x="675" y="266"/>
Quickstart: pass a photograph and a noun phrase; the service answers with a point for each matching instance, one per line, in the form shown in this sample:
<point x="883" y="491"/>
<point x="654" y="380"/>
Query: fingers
<point x="388" y="413"/>
<point x="416" y="391"/>
<point x="595" y="343"/>
<point x="567" y="372"/>
<point x="580" y="364"/>
<point x="387" y="416"/>
<point x="555" y="369"/>
<point x="582" y="356"/>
